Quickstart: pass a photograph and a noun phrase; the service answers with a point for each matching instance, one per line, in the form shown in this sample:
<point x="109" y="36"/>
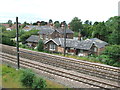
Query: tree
<point x="88" y="22"/>
<point x="24" y="24"/>
<point x="18" y="23"/>
<point x="7" y="41"/>
<point x="63" y="23"/>
<point x="9" y="34"/>
<point x="114" y="38"/>
<point x="43" y="23"/>
<point x="113" y="28"/>
<point x="56" y="24"/>
<point x="95" y="23"/>
<point x="50" y="21"/>
<point x="2" y="28"/>
<point x="40" y="46"/>
<point x="10" y="23"/>
<point x="99" y="30"/>
<point x="35" y="23"/>
<point x="86" y="31"/>
<point x="26" y="35"/>
<point x="76" y="24"/>
<point x="113" y="52"/>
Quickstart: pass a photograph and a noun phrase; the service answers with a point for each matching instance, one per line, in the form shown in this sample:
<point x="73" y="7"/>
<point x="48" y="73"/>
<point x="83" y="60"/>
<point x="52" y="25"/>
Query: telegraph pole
<point x="17" y="43"/>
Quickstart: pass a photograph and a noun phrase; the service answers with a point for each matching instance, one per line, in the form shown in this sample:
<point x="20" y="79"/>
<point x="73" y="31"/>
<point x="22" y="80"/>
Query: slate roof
<point x="45" y="30"/>
<point x="33" y="38"/>
<point x="85" y="44"/>
<point x="60" y="41"/>
<point x="49" y="30"/>
<point x="62" y="31"/>
<point x="29" y="27"/>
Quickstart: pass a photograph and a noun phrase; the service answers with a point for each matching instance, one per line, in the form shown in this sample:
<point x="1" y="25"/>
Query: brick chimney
<point x="68" y="26"/>
<point x="79" y="36"/>
<point x="38" y="23"/>
<point x="52" y="25"/>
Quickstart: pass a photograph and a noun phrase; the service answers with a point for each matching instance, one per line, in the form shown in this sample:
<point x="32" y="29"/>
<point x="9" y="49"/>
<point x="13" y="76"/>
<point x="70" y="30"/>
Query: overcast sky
<point x="38" y="10"/>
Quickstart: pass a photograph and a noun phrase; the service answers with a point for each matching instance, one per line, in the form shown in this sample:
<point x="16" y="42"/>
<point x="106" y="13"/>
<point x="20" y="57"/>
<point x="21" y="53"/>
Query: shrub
<point x="38" y="83"/>
<point x="113" y="52"/>
<point x="7" y="41"/>
<point x="27" y="78"/>
<point x="116" y="64"/>
<point x="40" y="45"/>
<point x="22" y="45"/>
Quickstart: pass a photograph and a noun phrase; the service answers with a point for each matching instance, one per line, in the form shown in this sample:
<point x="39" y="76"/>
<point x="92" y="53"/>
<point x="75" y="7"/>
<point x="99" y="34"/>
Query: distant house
<point x="90" y="46"/>
<point x="6" y="25"/>
<point x="8" y="28"/>
<point x="29" y="27"/>
<point x="32" y="41"/>
<point x="48" y="32"/>
<point x="80" y="48"/>
<point x="57" y="45"/>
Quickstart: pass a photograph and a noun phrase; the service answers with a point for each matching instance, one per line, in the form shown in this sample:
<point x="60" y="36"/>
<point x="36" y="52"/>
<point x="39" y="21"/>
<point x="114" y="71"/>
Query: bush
<point x="7" y="41"/>
<point x="27" y="78"/>
<point x="107" y="60"/>
<point x="113" y="52"/>
<point x="103" y="58"/>
<point x="116" y="64"/>
<point x="40" y="45"/>
<point x="38" y="83"/>
<point x="23" y="46"/>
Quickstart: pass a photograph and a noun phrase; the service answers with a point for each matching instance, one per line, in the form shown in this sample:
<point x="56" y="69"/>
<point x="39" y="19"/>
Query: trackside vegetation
<point x="24" y="78"/>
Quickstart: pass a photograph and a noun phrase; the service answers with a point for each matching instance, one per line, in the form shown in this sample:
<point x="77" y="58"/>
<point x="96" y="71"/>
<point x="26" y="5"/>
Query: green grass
<point x="51" y="84"/>
<point x="11" y="78"/>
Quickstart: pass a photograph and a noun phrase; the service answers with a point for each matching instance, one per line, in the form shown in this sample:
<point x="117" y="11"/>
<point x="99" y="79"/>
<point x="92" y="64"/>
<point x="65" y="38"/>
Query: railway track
<point x="74" y="67"/>
<point x="101" y="71"/>
<point x="58" y="72"/>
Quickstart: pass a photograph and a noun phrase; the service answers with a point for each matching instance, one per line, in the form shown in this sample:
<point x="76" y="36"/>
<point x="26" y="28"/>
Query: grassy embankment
<point x="11" y="78"/>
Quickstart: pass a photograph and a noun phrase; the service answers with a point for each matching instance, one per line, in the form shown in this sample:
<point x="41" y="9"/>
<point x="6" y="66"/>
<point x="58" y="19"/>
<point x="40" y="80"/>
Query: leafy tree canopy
<point x="56" y="24"/>
<point x="50" y="21"/>
<point x="26" y="35"/>
<point x="76" y="24"/>
<point x="113" y="52"/>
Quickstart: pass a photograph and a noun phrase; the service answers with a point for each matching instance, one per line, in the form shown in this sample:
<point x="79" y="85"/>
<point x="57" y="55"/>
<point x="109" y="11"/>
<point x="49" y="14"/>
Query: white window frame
<point x="81" y="51"/>
<point x="41" y="37"/>
<point x="52" y="47"/>
<point x="95" y="49"/>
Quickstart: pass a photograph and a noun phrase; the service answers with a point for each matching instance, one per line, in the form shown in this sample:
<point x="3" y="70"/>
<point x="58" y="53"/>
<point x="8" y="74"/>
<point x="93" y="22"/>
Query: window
<point x="52" y="47"/>
<point x="81" y="51"/>
<point x="41" y="37"/>
<point x="95" y="49"/>
<point x="46" y="37"/>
